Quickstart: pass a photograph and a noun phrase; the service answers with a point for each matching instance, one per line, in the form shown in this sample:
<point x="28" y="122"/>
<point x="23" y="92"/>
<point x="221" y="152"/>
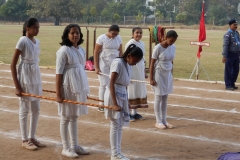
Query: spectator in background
<point x="231" y="52"/>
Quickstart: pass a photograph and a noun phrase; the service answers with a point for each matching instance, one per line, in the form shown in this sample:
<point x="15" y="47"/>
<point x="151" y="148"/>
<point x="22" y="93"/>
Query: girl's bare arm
<point x="16" y="55"/>
<point x="59" y="84"/>
<point x="152" y="81"/>
<point x="97" y="50"/>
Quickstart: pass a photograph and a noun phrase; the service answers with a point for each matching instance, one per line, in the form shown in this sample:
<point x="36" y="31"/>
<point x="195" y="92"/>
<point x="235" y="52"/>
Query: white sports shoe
<point x="29" y="145"/>
<point x="82" y="151"/>
<point x="69" y="153"/>
<point x="119" y="157"/>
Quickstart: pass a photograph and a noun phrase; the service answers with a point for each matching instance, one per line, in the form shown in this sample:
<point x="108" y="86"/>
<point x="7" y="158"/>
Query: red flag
<point x="202" y="31"/>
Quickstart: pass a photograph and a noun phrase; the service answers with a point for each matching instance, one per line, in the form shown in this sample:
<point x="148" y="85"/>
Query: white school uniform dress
<point x="70" y="62"/>
<point x="108" y="53"/>
<point x="123" y="79"/>
<point x="162" y="69"/>
<point x="137" y="92"/>
<point x="29" y="75"/>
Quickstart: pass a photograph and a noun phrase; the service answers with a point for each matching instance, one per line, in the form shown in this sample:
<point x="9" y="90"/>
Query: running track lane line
<point x="186" y="96"/>
<point x="172" y="117"/>
<point x="177" y="87"/>
<point x="175" y="105"/>
<point x="200" y="138"/>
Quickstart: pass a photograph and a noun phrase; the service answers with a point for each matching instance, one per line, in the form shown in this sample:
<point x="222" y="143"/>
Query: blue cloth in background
<point x="230" y="156"/>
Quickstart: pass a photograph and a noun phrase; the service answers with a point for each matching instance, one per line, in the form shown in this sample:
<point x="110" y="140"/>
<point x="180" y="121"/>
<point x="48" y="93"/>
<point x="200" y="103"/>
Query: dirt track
<point x="206" y="116"/>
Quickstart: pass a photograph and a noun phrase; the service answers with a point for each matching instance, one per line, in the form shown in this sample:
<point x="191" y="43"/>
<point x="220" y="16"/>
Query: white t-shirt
<point x="109" y="43"/>
<point x="30" y="50"/>
<point x="123" y="69"/>
<point x="29" y="75"/>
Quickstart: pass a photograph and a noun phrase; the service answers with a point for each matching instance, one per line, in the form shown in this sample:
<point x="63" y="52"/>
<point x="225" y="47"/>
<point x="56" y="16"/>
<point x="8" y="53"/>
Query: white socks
<point x="101" y="92"/>
<point x="160" y="108"/>
<point x="23" y="117"/>
<point x="72" y="129"/>
<point x="115" y="136"/>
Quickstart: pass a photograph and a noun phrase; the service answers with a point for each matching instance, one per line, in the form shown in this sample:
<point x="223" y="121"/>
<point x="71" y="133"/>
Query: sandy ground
<point x="206" y="117"/>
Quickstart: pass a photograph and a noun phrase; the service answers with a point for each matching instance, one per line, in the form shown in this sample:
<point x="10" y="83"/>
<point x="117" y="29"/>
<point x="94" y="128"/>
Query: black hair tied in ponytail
<point x="134" y="51"/>
<point x="29" y="23"/>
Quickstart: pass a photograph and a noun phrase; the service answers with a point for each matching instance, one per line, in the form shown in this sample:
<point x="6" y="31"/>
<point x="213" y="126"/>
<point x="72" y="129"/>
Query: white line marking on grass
<point x="199" y="138"/>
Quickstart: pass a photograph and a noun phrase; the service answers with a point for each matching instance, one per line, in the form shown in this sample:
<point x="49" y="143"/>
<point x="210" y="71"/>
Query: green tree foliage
<point x="116" y="17"/>
<point x="14" y="9"/>
<point x="159" y="15"/>
<point x="2" y="2"/>
<point x="181" y="17"/>
<point x="188" y="12"/>
<point x="166" y="7"/>
<point x="193" y="9"/>
<point x="93" y="11"/>
<point x="55" y="8"/>
<point x="139" y="17"/>
<point x="220" y="11"/>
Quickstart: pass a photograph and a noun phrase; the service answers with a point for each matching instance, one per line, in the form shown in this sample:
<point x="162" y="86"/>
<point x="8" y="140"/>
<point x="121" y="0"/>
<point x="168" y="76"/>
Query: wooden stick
<point x="68" y="101"/>
<point x="95" y="99"/>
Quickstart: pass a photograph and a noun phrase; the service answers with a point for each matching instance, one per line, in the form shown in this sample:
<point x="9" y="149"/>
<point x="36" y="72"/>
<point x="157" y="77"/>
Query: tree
<point x="14" y="9"/>
<point x="139" y="17"/>
<point x="2" y="2"/>
<point x="158" y="15"/>
<point x="116" y="17"/>
<point x="55" y="8"/>
<point x="220" y="11"/>
<point x="216" y="16"/>
<point x="181" y="17"/>
<point x="193" y="9"/>
<point x="93" y="11"/>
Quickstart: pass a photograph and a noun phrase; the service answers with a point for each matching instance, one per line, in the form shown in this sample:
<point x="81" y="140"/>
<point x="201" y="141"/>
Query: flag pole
<point x="202" y="37"/>
<point x="202" y="23"/>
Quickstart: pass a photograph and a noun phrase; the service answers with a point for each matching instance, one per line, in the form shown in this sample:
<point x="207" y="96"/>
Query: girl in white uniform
<point x="28" y="79"/>
<point x="71" y="84"/>
<point x="108" y="47"/>
<point x="116" y="96"/>
<point x="137" y="92"/>
<point x="161" y="77"/>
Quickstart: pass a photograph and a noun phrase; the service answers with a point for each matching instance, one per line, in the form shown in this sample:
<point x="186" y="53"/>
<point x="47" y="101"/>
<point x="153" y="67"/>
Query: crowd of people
<point x="116" y="89"/>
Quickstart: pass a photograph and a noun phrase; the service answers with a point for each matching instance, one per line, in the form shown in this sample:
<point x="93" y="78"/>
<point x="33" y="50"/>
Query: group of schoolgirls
<point x="116" y="90"/>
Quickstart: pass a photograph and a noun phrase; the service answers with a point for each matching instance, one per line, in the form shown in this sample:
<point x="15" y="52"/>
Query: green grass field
<point x="184" y="62"/>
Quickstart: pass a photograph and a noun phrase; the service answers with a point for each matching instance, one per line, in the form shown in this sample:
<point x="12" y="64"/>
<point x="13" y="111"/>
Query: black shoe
<point x="235" y="87"/>
<point x="132" y="119"/>
<point x="230" y="88"/>
<point x="138" y="116"/>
